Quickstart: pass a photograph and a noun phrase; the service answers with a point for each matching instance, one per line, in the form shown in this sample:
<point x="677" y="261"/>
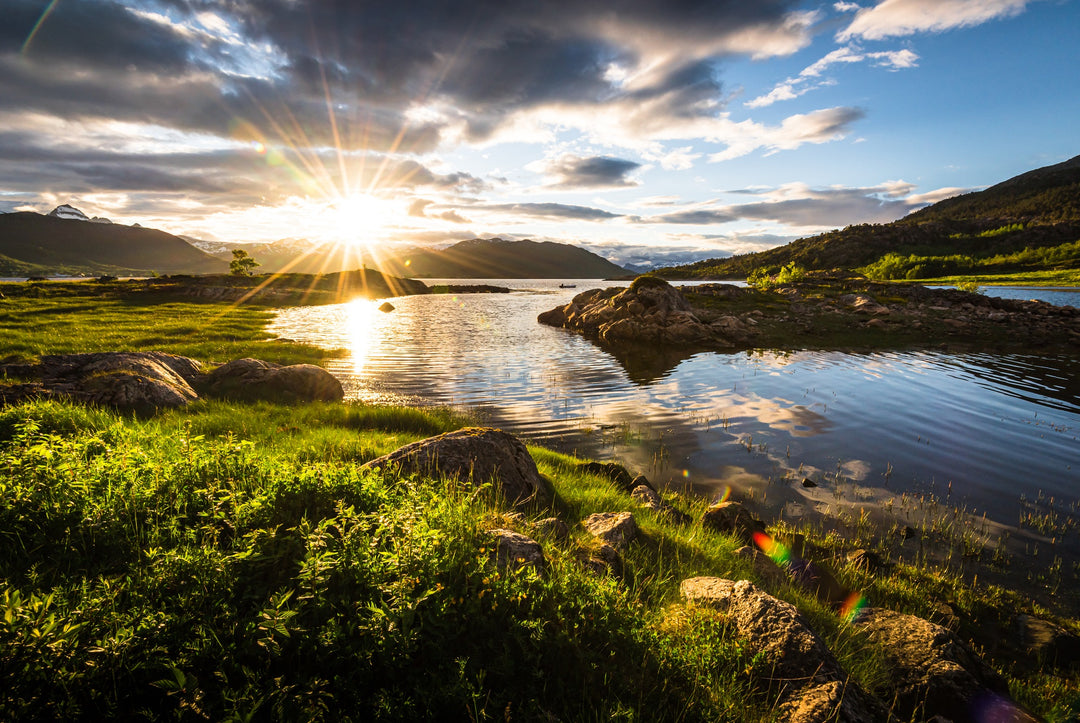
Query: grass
<point x="1053" y="277"/>
<point x="208" y="331"/>
<point x="232" y="562"/>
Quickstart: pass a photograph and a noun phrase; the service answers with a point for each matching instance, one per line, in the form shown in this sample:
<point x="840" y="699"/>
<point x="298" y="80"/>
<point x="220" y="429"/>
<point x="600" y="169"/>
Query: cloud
<point x="797" y="205"/>
<point x="548" y="210"/>
<point x="807" y="81"/>
<point x="570" y="172"/>
<point x="820" y="126"/>
<point x="894" y="18"/>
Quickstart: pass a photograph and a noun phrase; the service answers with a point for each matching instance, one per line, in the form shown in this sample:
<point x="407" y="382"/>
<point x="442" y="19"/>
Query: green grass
<point x="1057" y="277"/>
<point x="231" y="562"/>
<point x="208" y="331"/>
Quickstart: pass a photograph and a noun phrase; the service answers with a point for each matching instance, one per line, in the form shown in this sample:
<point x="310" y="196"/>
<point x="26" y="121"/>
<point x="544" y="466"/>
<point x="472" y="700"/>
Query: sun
<point x="359" y="219"/>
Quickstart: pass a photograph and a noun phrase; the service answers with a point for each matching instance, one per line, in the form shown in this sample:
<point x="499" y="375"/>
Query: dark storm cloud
<point x="591" y="172"/>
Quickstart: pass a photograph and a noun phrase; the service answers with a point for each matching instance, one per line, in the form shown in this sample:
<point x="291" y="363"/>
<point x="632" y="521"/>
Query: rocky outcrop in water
<point x="145" y="382"/>
<point x="649" y="311"/>
<point x="475" y="455"/>
<point x="651" y="315"/>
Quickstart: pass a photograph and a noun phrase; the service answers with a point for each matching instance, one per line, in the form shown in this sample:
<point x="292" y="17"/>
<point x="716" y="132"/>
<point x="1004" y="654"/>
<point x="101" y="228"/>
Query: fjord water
<point x="978" y="430"/>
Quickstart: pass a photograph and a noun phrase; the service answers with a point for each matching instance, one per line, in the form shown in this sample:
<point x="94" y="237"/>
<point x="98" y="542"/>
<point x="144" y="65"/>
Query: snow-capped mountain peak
<point x="69" y="212"/>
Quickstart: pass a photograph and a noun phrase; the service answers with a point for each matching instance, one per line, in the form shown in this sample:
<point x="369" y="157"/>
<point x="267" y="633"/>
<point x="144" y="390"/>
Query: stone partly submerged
<point x="475" y="455"/>
<point x="145" y="382"/>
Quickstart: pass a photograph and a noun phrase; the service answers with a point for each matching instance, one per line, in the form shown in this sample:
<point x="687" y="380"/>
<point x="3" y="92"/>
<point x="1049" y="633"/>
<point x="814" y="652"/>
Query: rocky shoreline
<point x="848" y="314"/>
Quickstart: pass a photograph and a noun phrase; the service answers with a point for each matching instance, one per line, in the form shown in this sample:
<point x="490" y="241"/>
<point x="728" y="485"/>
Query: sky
<point x="649" y="132"/>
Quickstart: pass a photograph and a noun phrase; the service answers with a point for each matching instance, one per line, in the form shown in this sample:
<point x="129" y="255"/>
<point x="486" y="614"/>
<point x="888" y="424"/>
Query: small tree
<point x="242" y="264"/>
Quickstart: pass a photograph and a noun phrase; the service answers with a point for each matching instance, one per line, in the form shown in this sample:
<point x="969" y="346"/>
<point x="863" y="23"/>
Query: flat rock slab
<point x="810" y="684"/>
<point x="475" y="454"/>
<point x="934" y="674"/>
<point x="617" y="529"/>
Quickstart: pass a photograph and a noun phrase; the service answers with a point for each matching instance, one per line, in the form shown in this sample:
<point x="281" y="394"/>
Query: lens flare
<point x="775" y="550"/>
<point x="853" y="604"/>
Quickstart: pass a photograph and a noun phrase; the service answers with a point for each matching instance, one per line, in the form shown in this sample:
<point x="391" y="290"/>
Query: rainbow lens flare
<point x="854" y="604"/>
<point x="776" y="551"/>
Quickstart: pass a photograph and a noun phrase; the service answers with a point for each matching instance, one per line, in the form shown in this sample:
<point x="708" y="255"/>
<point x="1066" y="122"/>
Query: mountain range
<point x="66" y="241"/>
<point x="1039" y="209"/>
<point x="493" y="258"/>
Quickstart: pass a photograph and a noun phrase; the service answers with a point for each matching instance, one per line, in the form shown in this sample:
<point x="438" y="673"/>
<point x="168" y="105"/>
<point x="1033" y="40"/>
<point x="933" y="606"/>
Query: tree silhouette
<point x="242" y="264"/>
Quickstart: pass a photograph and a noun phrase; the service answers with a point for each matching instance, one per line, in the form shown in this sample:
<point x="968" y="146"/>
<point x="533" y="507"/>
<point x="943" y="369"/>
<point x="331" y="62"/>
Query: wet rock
<point x="932" y="673"/>
<point x="615" y="528"/>
<point x="731" y="518"/>
<point x="386" y="307"/>
<point x="475" y="455"/>
<point x="1042" y="640"/>
<point x="515" y="551"/>
<point x="807" y="681"/>
<point x="809" y="483"/>
<point x="254" y="380"/>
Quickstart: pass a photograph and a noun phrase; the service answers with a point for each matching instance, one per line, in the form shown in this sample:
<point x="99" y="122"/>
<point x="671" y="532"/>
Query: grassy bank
<point x="89" y="319"/>
<point x="230" y="562"/>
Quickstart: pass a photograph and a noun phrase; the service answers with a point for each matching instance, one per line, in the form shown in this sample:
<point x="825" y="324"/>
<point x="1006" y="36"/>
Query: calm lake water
<point x="978" y="431"/>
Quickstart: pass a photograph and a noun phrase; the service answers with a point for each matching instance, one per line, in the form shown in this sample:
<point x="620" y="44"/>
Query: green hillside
<point x="1027" y="223"/>
<point x="33" y="244"/>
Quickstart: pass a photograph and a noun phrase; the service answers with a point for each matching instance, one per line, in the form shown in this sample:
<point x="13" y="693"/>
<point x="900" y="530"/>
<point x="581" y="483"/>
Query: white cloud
<point x="845" y="7"/>
<point x="792" y="88"/>
<point x="819" y="126"/>
<point x="893" y="18"/>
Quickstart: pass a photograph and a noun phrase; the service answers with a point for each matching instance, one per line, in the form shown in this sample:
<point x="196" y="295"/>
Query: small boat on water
<point x="567" y="286"/>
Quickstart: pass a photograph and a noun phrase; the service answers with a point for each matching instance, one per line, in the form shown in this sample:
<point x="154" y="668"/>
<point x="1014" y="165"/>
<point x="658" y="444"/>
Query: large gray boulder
<point x="475" y="454"/>
<point x="254" y="380"/>
<point x="932" y="673"/>
<point x="807" y="680"/>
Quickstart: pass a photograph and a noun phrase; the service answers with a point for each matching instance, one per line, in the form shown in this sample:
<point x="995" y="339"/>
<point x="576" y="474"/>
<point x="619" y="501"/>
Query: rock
<point x="552" y="527"/>
<point x="646" y="497"/>
<point x="869" y="561"/>
<point x="640" y="481"/>
<point x="806" y="678"/>
<point x="475" y="454"/>
<point x="515" y="551"/>
<point x="1042" y="640"/>
<point x="615" y="528"/>
<point x="255" y="380"/>
<point x="932" y="673"/>
<point x="768" y="571"/>
<point x="132" y="391"/>
<point x="807" y="482"/>
<point x="731" y="518"/>
<point x="604" y="560"/>
<point x="610" y="470"/>
<point x="386" y="307"/>
<point x="650" y="310"/>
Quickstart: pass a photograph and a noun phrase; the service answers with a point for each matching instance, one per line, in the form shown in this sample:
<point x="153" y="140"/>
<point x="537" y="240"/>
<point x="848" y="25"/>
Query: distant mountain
<point x="474" y="259"/>
<point x="68" y="242"/>
<point x="1037" y="209"/>
<point x="497" y="258"/>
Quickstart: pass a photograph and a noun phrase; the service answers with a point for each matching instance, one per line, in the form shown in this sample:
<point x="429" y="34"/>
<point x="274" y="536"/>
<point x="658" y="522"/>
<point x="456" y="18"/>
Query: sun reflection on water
<point x="361" y="318"/>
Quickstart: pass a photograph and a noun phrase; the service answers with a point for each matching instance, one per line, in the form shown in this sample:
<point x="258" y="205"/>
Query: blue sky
<point x="648" y="132"/>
